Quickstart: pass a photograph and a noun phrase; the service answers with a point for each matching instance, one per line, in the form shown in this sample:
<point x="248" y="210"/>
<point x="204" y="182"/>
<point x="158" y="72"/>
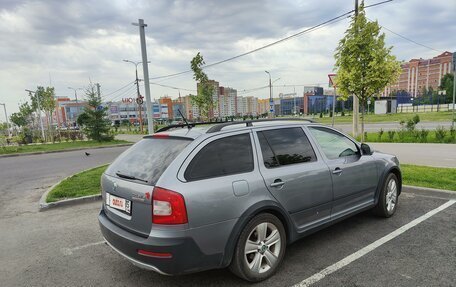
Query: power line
<point x="305" y="31"/>
<point x="171" y="87"/>
<point x="121" y="88"/>
<point x="308" y="30"/>
<point x="128" y="91"/>
<point x="408" y="39"/>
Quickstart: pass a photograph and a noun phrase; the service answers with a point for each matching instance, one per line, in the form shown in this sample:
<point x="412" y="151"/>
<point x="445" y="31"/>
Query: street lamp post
<point x="271" y="101"/>
<point x="39" y="112"/>
<point x="138" y="101"/>
<point x="75" y="94"/>
<point x="76" y="97"/>
<point x="7" y="122"/>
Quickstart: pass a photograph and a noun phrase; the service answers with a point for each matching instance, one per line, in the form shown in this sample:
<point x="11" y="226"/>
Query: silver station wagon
<point x="196" y="197"/>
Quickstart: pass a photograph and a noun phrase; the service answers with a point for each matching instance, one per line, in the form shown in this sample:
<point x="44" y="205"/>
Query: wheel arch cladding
<point x="260" y="207"/>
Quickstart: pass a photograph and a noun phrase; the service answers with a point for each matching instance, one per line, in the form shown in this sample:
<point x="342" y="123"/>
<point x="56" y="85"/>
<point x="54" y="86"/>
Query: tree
<point x="21" y="118"/>
<point x="47" y="103"/>
<point x="364" y="66"/>
<point x="446" y="83"/>
<point x="93" y="120"/>
<point x="203" y="100"/>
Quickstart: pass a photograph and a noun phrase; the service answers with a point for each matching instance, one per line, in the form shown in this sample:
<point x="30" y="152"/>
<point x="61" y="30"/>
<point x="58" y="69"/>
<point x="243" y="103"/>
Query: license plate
<point x="118" y="203"/>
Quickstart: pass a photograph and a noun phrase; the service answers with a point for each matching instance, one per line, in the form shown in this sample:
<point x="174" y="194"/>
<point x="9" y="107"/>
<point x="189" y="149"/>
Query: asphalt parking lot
<point x="63" y="247"/>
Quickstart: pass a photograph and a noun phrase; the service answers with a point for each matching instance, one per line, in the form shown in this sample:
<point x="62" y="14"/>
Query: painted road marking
<point x="360" y="253"/>
<point x="69" y="251"/>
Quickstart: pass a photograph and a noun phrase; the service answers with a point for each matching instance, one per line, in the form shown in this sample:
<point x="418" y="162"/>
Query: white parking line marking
<point x="69" y="251"/>
<point x="360" y="253"/>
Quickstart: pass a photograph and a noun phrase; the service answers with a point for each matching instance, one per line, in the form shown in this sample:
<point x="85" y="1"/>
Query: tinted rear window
<point x="148" y="159"/>
<point x="225" y="156"/>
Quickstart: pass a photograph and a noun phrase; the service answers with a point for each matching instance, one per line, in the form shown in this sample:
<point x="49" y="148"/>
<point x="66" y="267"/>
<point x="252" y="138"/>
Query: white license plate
<point x="118" y="203"/>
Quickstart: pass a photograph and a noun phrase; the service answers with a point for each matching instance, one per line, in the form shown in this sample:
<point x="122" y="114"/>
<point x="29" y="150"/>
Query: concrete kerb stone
<point x="64" y="150"/>
<point x="43" y="205"/>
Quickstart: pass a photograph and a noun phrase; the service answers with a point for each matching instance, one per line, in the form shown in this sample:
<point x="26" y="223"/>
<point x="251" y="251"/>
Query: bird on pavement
<point x="87" y="154"/>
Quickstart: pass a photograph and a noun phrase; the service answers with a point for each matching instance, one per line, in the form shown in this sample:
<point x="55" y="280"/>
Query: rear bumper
<point x="187" y="257"/>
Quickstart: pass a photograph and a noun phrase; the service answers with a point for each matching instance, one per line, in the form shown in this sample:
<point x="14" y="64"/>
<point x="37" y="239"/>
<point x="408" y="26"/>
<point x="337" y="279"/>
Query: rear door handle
<point x="277" y="183"/>
<point x="337" y="170"/>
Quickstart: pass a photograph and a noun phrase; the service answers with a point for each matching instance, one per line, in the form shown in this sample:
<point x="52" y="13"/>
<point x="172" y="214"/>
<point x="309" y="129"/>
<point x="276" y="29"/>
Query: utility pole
<point x="271" y="101"/>
<point x="7" y="122"/>
<point x="454" y="85"/>
<point x="139" y="99"/>
<point x="355" y="98"/>
<point x="142" y="36"/>
<point x="39" y="112"/>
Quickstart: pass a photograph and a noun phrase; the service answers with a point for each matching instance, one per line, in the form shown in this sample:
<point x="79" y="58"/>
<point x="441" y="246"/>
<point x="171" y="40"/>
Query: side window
<point x="225" y="156"/>
<point x="334" y="144"/>
<point x="285" y="146"/>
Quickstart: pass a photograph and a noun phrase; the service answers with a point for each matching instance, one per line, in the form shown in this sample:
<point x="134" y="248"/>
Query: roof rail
<point x="189" y="125"/>
<point x="220" y="126"/>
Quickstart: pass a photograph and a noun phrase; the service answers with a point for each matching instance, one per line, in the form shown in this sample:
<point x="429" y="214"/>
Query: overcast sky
<point x="69" y="43"/>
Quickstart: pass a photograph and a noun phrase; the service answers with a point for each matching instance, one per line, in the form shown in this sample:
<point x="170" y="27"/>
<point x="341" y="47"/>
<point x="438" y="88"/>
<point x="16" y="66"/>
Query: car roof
<point x="211" y="128"/>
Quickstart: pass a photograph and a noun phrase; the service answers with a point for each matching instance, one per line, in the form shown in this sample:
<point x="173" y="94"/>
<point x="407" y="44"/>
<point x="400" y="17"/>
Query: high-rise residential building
<point x="241" y="103"/>
<point x="263" y="106"/>
<point x="227" y="102"/>
<point x="421" y="74"/>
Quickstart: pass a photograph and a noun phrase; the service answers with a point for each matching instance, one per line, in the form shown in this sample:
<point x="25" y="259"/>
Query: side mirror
<point x="365" y="149"/>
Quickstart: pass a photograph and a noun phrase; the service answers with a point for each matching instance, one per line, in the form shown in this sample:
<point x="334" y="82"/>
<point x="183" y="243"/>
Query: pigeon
<point x="87" y="154"/>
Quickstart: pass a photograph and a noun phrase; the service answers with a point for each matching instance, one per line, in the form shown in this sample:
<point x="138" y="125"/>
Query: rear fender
<point x="267" y="206"/>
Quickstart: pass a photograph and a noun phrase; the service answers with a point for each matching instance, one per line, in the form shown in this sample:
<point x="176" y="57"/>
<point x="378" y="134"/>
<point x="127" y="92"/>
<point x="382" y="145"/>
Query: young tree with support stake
<point x="364" y="66"/>
<point x="203" y="100"/>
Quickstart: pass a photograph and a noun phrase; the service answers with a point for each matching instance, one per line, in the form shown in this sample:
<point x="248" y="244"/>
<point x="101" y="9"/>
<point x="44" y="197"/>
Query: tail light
<point x="168" y="207"/>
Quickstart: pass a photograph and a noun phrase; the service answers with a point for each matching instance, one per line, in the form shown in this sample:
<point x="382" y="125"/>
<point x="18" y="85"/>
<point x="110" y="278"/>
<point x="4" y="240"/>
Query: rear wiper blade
<point x="129" y="177"/>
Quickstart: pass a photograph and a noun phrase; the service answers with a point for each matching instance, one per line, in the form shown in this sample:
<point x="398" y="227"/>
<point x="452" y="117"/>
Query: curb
<point x="411" y="188"/>
<point x="64" y="150"/>
<point x="43" y="205"/>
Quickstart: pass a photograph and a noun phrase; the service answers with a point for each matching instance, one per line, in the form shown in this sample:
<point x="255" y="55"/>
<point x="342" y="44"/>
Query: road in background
<point x="437" y="155"/>
<point x="25" y="178"/>
<point x="347" y="128"/>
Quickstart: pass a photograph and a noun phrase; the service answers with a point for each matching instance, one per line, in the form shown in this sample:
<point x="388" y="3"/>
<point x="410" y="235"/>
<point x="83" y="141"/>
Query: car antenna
<point x="185" y="120"/>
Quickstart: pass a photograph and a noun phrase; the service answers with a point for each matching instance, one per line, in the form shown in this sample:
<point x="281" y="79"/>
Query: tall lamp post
<point x="139" y="99"/>
<point x="7" y="122"/>
<point x="76" y="98"/>
<point x="271" y="101"/>
<point x="39" y="112"/>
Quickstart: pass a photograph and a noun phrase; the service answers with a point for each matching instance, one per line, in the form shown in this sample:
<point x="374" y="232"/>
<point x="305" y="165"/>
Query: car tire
<point x="388" y="198"/>
<point x="260" y="248"/>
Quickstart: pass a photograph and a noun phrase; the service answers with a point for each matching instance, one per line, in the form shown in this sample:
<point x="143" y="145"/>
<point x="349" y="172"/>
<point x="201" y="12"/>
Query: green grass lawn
<point x="80" y="184"/>
<point x="372" y="118"/>
<point x="88" y="182"/>
<point x="417" y="136"/>
<point x="56" y="146"/>
<point x="433" y="177"/>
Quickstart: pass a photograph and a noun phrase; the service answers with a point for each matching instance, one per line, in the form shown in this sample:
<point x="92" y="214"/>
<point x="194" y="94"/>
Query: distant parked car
<point x="236" y="194"/>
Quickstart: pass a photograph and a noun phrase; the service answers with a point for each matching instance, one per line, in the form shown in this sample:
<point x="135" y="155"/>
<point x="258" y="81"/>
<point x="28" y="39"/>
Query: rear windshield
<point x="147" y="159"/>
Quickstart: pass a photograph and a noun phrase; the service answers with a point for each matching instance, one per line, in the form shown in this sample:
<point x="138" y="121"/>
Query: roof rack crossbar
<point x="191" y="125"/>
<point x="249" y="123"/>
